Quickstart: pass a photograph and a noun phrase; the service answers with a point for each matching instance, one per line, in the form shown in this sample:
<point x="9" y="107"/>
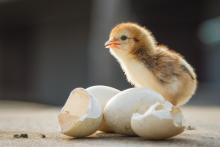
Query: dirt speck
<point x="189" y="127"/>
<point x="43" y="136"/>
<point x="23" y="135"/>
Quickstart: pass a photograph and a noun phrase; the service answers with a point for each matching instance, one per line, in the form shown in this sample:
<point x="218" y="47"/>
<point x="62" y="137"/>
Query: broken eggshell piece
<point x="103" y="94"/>
<point x="160" y="121"/>
<point x="81" y="115"/>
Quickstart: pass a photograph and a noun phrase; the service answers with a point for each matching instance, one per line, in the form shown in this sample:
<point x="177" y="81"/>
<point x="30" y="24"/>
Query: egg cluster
<point x="134" y="111"/>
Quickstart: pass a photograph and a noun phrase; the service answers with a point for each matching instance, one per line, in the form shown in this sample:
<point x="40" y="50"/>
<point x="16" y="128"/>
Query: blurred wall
<point x="47" y="48"/>
<point x="103" y="68"/>
<point x="43" y="49"/>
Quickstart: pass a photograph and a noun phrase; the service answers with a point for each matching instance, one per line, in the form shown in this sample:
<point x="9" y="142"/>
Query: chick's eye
<point x="123" y="37"/>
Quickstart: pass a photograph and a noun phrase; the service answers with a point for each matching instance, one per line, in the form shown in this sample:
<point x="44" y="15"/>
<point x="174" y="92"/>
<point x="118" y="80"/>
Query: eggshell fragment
<point x="119" y="109"/>
<point x="81" y="115"/>
<point x="160" y="121"/>
<point x="103" y="94"/>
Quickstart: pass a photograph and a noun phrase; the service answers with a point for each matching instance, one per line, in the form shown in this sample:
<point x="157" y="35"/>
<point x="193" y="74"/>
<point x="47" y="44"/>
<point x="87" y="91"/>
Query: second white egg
<point x="103" y="94"/>
<point x="119" y="109"/>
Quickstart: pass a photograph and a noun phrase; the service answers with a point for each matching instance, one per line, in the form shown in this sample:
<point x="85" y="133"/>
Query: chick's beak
<point x="112" y="44"/>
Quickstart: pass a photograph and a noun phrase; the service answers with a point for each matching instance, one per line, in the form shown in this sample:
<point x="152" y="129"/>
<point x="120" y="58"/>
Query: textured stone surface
<point x="36" y="120"/>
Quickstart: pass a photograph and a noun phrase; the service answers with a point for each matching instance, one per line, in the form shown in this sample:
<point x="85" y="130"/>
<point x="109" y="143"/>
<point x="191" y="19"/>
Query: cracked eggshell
<point x="119" y="109"/>
<point x="81" y="115"/>
<point x="103" y="94"/>
<point x="160" y="121"/>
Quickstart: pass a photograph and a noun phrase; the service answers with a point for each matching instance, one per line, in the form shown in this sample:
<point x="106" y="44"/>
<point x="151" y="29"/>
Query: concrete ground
<point x="39" y="122"/>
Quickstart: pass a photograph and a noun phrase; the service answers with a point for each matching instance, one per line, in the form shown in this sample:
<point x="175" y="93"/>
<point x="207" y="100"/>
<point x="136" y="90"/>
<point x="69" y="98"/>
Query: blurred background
<point x="48" y="48"/>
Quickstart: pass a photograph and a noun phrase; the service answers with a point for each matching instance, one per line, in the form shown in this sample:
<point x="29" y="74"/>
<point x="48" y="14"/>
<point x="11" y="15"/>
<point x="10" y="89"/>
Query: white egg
<point x="120" y="108"/>
<point x="103" y="94"/>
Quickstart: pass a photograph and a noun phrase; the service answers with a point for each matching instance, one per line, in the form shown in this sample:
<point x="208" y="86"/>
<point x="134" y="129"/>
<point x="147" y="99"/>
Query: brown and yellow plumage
<point x="147" y="64"/>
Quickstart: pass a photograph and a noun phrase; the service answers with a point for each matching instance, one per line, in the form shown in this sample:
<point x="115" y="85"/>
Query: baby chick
<point x="147" y="64"/>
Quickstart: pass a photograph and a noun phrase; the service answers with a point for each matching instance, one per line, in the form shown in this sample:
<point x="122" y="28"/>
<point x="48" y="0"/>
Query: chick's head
<point x="128" y="38"/>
